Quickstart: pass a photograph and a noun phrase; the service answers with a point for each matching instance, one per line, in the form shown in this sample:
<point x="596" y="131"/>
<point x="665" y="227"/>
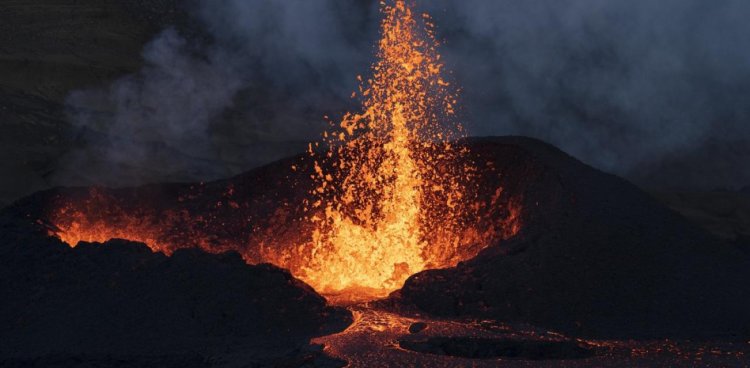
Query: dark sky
<point x="658" y="91"/>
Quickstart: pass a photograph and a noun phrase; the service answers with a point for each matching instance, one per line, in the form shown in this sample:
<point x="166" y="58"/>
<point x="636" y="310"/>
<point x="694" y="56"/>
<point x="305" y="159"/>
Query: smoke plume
<point x="655" y="90"/>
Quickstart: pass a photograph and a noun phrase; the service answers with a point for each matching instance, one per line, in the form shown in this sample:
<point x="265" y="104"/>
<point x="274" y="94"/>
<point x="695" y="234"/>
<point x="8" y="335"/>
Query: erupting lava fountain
<point x="392" y="189"/>
<point x="389" y="191"/>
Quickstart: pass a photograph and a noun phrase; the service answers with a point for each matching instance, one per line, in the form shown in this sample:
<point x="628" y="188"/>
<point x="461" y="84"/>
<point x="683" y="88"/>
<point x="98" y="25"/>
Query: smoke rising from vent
<point x="657" y="91"/>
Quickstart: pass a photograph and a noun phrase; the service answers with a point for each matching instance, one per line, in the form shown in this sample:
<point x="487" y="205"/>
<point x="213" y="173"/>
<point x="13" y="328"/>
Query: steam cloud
<point x="655" y="90"/>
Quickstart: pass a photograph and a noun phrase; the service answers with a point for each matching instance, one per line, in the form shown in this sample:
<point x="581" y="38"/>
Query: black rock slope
<point x="119" y="299"/>
<point x="595" y="257"/>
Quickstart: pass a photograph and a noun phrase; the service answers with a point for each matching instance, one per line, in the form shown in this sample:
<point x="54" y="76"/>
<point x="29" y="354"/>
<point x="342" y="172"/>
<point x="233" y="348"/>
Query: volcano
<point x="593" y="255"/>
<point x="394" y="240"/>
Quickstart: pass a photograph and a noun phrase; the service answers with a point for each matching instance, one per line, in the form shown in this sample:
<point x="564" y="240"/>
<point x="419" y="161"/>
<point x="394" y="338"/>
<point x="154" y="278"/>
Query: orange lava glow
<point x="393" y="176"/>
<point x="98" y="216"/>
<point x="91" y="221"/>
<point x="391" y="191"/>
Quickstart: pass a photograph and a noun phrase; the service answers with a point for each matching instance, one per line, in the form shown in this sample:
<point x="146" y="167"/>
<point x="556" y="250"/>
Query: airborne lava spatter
<point x="394" y="193"/>
<point x="393" y="176"/>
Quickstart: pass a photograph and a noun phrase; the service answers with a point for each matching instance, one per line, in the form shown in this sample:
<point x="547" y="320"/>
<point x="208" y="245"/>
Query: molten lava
<point x="391" y="175"/>
<point x="390" y="191"/>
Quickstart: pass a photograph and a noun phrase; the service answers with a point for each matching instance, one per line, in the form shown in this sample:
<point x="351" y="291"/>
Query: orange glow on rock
<point x="391" y="190"/>
<point x="393" y="201"/>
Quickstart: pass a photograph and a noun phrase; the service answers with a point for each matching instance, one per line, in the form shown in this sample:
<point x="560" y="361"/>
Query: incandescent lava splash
<point x="390" y="190"/>
<point x="390" y="198"/>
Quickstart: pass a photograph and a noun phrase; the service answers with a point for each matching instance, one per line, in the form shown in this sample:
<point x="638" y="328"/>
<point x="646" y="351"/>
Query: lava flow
<point x="390" y="191"/>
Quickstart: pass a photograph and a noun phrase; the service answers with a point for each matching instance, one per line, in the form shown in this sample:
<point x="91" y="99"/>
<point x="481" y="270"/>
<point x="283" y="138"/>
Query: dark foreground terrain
<point x="118" y="302"/>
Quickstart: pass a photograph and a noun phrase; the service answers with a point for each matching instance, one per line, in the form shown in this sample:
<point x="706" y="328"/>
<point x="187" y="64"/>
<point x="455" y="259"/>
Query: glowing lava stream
<point x="391" y="175"/>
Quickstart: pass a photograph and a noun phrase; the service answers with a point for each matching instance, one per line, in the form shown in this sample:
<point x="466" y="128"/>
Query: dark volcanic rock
<point x="595" y="257"/>
<point x="417" y="327"/>
<point x="120" y="299"/>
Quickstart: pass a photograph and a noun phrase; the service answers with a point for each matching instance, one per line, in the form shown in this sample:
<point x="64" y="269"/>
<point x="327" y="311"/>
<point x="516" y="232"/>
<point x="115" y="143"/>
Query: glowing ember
<point x="392" y="174"/>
